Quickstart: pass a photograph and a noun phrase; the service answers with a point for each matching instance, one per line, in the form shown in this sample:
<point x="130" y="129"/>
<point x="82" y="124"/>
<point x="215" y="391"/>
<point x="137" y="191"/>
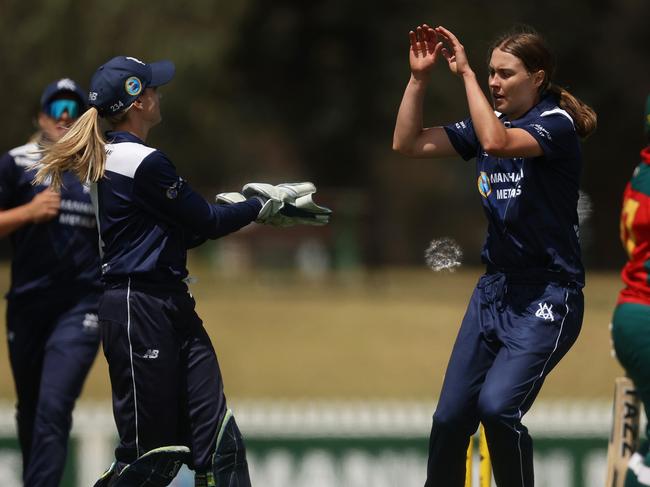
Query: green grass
<point x="378" y="335"/>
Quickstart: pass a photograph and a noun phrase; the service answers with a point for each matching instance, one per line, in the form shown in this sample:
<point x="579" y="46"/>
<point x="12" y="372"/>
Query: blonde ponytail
<point x="584" y="117"/>
<point x="80" y="151"/>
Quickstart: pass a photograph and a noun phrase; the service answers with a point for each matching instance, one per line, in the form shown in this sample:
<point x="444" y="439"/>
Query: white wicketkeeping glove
<point x="284" y="205"/>
<point x="303" y="211"/>
<point x="269" y="206"/>
<point x="293" y="204"/>
<point x="274" y="198"/>
<point x="229" y="198"/>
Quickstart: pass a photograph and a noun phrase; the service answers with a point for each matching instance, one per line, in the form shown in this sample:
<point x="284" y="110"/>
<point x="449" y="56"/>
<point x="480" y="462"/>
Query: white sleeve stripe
<point x="26" y="155"/>
<point x="124" y="158"/>
<point x="557" y="110"/>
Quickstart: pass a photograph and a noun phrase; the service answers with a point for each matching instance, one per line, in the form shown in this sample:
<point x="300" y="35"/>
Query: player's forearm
<point x="235" y="216"/>
<point x="409" y="124"/>
<point x="203" y="220"/>
<point x="12" y="220"/>
<point x="490" y="131"/>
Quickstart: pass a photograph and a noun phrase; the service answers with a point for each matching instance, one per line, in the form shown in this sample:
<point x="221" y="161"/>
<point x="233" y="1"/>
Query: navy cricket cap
<point x="119" y="82"/>
<point x="60" y="86"/>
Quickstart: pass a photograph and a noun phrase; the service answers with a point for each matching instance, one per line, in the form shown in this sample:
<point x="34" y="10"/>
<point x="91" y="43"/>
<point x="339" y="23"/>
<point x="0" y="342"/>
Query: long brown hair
<point x="531" y="48"/>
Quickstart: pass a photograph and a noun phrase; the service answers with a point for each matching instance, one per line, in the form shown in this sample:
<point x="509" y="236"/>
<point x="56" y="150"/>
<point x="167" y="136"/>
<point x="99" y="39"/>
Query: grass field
<point x="385" y="334"/>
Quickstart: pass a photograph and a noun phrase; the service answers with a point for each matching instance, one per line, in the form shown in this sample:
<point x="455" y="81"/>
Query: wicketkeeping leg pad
<point x="229" y="465"/>
<point x="156" y="468"/>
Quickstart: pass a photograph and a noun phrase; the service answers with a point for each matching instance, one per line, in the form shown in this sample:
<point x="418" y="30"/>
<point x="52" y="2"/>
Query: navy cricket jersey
<point x="58" y="254"/>
<point x="149" y="216"/>
<point x="530" y="203"/>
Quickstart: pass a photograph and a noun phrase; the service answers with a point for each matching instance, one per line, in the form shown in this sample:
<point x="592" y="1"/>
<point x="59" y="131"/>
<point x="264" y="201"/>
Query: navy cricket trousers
<point x="514" y="332"/>
<point x="53" y="340"/>
<point x="166" y="382"/>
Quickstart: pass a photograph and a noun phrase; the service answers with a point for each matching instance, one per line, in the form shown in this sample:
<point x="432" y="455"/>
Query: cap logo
<point x="133" y="86"/>
<point x="66" y="84"/>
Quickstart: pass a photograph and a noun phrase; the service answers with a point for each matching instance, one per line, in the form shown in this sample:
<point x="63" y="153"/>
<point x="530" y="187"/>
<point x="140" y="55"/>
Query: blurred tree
<point x="309" y="90"/>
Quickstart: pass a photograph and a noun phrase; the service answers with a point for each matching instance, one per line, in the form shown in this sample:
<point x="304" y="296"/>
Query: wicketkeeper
<point x="168" y="398"/>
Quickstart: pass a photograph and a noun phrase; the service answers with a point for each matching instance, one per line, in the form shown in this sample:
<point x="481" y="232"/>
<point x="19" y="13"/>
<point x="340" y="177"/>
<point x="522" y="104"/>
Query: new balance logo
<point x="545" y="312"/>
<point x="90" y="322"/>
<point x="151" y="353"/>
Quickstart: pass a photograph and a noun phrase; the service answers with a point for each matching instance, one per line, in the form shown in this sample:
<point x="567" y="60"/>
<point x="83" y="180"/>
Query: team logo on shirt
<point x="545" y="312"/>
<point x="173" y="190"/>
<point x="133" y="86"/>
<point x="484" y="185"/>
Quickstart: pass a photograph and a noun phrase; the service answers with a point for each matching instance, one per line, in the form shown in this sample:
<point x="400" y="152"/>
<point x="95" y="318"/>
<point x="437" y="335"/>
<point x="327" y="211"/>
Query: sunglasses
<point x="56" y="108"/>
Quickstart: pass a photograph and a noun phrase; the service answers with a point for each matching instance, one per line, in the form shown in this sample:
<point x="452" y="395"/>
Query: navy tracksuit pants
<point x="53" y="341"/>
<point x="514" y="332"/>
<point x="166" y="382"/>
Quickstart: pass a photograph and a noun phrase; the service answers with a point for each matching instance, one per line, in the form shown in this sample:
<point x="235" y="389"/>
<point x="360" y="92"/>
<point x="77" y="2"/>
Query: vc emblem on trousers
<point x="545" y="312"/>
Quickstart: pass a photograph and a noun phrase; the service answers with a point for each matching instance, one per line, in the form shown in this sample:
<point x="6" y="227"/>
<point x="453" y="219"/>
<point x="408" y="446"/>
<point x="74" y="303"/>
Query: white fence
<point x="329" y="461"/>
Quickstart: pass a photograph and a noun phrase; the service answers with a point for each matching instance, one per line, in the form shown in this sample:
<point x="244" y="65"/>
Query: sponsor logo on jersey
<point x="75" y="220"/>
<point x="545" y="312"/>
<point x="77" y="206"/>
<point x="151" y="353"/>
<point x="541" y="131"/>
<point x="506" y="194"/>
<point x="484" y="185"/>
<point x="506" y="177"/>
<point x="90" y="322"/>
<point x="133" y="86"/>
<point x="513" y="177"/>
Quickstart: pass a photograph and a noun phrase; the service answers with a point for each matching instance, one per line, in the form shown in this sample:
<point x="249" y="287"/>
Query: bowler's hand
<point x="453" y="52"/>
<point x="424" y="50"/>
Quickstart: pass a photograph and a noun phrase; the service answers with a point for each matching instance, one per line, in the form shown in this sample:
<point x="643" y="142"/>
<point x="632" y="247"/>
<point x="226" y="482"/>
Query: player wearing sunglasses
<point x="52" y="301"/>
<point x="59" y="108"/>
